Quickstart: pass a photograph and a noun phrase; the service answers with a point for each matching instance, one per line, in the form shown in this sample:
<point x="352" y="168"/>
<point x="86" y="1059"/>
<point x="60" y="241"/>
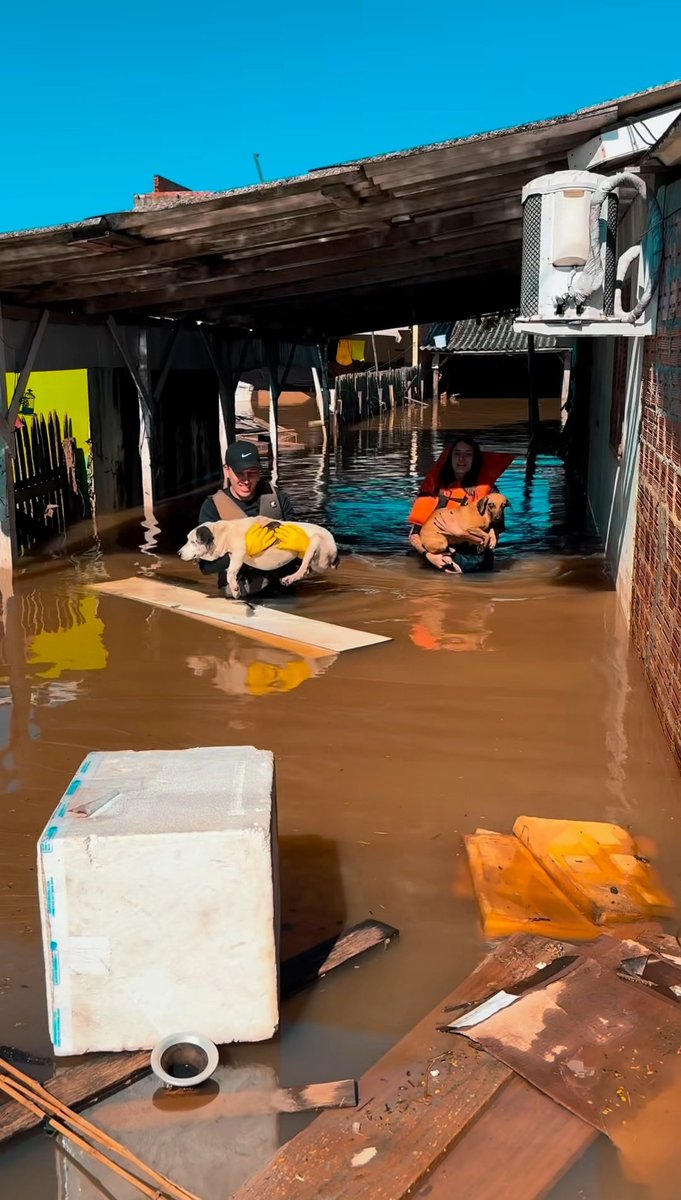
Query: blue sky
<point x="97" y="99"/>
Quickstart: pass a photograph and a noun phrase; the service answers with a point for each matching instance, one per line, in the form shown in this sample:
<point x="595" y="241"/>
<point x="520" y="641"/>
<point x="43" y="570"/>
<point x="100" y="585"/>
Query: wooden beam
<point x="419" y="271"/>
<point x="337" y="248"/>
<point x="167" y="362"/>
<point x="378" y="265"/>
<point x="24" y="374"/>
<point x="142" y="385"/>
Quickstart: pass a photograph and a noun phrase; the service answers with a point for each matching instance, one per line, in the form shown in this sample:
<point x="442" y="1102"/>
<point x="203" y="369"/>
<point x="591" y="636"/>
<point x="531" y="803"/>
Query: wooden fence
<point x="368" y="393"/>
<point x="48" y="486"/>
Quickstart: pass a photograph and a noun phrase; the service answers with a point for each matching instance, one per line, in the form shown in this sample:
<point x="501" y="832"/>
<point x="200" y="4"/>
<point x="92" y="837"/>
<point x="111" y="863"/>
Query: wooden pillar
<point x="565" y="387"/>
<point x="8" y="516"/>
<point x="532" y="398"/>
<point x="277" y="383"/>
<point x="9" y="411"/>
<point x="146" y="423"/>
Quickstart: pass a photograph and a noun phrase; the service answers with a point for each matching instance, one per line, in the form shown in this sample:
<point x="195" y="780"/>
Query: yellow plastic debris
<point x="514" y="893"/>
<point x="598" y="866"/>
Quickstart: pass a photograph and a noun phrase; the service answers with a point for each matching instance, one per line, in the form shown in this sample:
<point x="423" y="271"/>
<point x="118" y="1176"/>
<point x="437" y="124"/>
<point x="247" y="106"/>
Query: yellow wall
<point x="64" y="392"/>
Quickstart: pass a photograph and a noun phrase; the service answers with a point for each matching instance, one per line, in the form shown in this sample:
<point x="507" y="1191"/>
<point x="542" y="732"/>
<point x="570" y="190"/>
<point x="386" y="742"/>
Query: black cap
<point x="242" y="456"/>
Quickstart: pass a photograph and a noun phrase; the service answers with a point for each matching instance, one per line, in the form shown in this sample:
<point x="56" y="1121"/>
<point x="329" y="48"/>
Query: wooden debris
<point x="176" y="1107"/>
<point x="418" y="1101"/>
<point x="102" y="1074"/>
<point x="70" y="1125"/>
<point x="303" y="969"/>
<point x="78" y="1086"/>
<point x="604" y="1046"/>
<point x="518" y="1148"/>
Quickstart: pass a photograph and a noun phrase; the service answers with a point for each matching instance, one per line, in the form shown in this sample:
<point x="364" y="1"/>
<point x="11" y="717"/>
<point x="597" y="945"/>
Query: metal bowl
<point x="184" y="1060"/>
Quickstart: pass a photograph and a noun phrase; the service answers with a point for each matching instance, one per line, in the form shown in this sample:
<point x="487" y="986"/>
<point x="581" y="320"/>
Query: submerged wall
<point x="614" y="429"/>
<point x="656" y="602"/>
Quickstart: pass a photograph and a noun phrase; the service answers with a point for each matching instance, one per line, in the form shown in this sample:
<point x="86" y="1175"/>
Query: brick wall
<point x="656" y="600"/>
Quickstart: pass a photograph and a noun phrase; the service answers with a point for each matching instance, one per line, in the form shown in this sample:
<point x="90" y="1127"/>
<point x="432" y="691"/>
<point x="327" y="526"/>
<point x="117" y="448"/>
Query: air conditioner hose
<point x="591" y="277"/>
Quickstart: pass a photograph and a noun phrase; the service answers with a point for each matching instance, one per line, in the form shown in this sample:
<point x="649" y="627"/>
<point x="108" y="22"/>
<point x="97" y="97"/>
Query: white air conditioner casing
<point x="557" y="248"/>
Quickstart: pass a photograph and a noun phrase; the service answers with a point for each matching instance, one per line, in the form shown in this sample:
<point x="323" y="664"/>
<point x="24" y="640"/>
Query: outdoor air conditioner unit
<point x="572" y="278"/>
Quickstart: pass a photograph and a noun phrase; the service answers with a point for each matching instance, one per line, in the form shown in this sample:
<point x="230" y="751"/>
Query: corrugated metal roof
<point x="381" y="241"/>
<point x="495" y="334"/>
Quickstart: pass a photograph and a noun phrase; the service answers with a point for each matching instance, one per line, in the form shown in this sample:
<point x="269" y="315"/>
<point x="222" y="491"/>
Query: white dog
<point x="215" y="538"/>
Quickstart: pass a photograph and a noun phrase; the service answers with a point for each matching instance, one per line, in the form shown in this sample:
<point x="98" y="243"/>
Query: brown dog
<point x="487" y="516"/>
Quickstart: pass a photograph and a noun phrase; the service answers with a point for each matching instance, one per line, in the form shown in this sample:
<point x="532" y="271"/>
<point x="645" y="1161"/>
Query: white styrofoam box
<point x="200" y="1147"/>
<point x="158" y="888"/>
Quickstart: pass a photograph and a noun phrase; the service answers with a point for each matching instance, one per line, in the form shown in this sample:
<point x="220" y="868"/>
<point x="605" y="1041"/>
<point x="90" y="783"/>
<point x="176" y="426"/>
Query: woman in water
<point x="462" y="467"/>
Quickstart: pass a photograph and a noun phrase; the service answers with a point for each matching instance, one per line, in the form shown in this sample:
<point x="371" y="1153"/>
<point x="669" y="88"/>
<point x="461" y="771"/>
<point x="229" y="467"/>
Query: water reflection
<point x="437" y="625"/>
<point x="207" y="1147"/>
<point x="258" y="671"/>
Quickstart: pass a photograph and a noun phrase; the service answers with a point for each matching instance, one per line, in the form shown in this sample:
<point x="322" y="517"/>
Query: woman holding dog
<point x="461" y="474"/>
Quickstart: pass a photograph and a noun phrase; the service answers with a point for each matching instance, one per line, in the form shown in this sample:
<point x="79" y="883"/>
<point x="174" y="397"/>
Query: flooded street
<point x="501" y="694"/>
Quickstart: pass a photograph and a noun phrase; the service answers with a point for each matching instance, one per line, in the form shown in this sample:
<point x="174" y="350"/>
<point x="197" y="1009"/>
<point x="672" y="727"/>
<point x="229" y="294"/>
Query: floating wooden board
<point x="178" y="1107"/>
<point x="264" y="624"/>
<point x="414" y="1106"/>
<point x="304" y="968"/>
<point x="101" y="1074"/>
<point x="519" y="1148"/>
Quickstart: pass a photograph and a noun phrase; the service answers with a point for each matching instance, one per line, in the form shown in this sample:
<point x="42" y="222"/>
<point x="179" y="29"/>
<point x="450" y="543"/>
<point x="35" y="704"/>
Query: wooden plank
<point x="101" y="1074"/>
<point x="410" y="1116"/>
<point x="77" y="1086"/>
<point x="286" y="628"/>
<point x="518" y="1148"/>
<point x="304" y="968"/>
<point x="172" y="1107"/>
<point x="352" y="268"/>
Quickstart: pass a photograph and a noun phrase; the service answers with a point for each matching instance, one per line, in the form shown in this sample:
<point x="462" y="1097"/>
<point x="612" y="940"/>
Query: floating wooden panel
<point x="414" y="1104"/>
<point x="262" y="623"/>
<point x="517" y="1149"/>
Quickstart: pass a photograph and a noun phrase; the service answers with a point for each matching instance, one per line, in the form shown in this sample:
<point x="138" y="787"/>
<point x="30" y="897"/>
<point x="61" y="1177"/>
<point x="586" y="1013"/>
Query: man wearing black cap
<point x="245" y="494"/>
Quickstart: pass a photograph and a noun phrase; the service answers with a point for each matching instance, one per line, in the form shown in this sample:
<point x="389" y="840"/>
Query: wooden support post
<point x="140" y="373"/>
<point x="9" y="411"/>
<point x="415" y="352"/>
<point x="146" y="424"/>
<point x="8" y="525"/>
<point x="277" y="384"/>
<point x="565" y="387"/>
<point x="229" y="373"/>
<point x="532" y="398"/>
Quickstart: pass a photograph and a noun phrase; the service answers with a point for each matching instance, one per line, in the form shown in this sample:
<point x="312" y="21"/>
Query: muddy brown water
<point x="501" y="694"/>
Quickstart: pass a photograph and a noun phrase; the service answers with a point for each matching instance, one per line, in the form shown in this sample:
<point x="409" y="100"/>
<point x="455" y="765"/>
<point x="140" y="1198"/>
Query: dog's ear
<point x="204" y="535"/>
<point x="482" y="505"/>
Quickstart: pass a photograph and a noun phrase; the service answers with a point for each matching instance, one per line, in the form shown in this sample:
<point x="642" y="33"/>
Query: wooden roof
<point x="386" y="240"/>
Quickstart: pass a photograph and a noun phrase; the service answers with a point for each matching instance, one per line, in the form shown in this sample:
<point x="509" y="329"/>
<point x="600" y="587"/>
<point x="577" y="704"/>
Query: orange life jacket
<point x="493" y="465"/>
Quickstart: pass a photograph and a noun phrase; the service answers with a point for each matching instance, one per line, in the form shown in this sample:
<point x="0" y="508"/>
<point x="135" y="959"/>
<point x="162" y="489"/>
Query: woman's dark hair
<point x="471" y="479"/>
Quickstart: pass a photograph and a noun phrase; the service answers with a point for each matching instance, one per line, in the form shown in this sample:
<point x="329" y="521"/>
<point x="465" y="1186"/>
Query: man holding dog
<point x="247" y="494"/>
